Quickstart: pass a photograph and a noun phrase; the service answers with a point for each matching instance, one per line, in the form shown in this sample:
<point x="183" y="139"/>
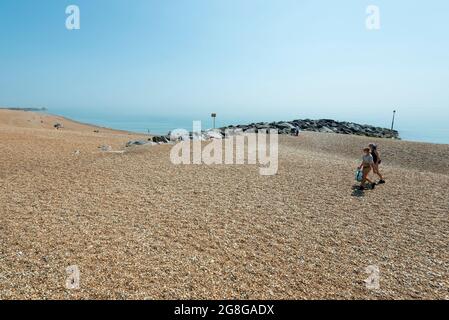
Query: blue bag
<point x="359" y="175"/>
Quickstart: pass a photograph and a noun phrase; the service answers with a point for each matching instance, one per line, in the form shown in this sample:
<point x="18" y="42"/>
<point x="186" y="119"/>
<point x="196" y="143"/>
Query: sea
<point x="410" y="130"/>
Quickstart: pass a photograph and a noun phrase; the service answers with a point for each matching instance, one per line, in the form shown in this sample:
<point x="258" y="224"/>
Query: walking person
<point x="366" y="166"/>
<point x="377" y="161"/>
<point x="295" y="131"/>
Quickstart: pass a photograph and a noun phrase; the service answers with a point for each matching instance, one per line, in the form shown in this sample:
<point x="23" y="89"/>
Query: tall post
<point x="214" y="115"/>
<point x="392" y="122"/>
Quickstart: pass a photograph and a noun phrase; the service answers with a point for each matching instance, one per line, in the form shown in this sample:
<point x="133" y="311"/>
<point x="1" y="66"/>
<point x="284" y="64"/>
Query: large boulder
<point x="161" y="139"/>
<point x="213" y="134"/>
<point x="326" y="130"/>
<point x="284" y="125"/>
<point x="137" y="143"/>
<point x="264" y="125"/>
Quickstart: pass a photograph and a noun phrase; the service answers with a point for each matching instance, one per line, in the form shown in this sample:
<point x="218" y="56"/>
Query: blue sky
<point x="283" y="59"/>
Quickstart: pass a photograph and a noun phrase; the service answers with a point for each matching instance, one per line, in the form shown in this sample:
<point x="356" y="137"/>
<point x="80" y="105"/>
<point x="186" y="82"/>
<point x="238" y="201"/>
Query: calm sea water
<point x="163" y="124"/>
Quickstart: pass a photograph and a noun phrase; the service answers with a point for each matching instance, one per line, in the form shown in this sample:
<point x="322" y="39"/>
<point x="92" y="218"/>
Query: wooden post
<point x="392" y="122"/>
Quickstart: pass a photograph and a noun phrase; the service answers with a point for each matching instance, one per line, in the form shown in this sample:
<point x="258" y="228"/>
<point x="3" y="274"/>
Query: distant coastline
<point x="43" y="109"/>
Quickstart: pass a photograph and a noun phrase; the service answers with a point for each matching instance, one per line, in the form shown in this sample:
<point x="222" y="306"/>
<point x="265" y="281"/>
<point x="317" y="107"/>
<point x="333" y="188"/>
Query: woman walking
<point x="367" y="164"/>
<point x="377" y="161"/>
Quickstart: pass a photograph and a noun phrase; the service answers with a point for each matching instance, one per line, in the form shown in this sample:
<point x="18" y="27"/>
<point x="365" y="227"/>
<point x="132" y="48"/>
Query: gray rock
<point x="326" y="130"/>
<point x="161" y="139"/>
<point x="137" y="143"/>
<point x="284" y="125"/>
<point x="263" y="126"/>
<point x="213" y="134"/>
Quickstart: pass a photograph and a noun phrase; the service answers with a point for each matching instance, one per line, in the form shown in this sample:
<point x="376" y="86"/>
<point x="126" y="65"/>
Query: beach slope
<point x="139" y="227"/>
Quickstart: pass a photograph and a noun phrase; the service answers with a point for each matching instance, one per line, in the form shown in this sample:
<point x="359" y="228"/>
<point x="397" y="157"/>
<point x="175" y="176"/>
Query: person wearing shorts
<point x="377" y="161"/>
<point x="366" y="166"/>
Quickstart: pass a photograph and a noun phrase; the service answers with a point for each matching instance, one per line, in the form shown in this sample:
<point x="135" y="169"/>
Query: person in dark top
<point x="295" y="131"/>
<point x="377" y="161"/>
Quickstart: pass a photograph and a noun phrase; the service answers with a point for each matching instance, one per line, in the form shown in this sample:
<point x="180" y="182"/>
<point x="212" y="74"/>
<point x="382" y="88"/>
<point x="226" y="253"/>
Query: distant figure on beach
<point x="377" y="161"/>
<point x="296" y="131"/>
<point x="366" y="166"/>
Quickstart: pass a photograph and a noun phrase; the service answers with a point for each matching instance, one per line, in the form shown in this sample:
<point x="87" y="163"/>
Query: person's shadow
<point x="356" y="192"/>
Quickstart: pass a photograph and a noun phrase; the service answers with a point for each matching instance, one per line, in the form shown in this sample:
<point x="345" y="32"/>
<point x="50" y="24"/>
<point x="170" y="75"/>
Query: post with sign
<point x="214" y="115"/>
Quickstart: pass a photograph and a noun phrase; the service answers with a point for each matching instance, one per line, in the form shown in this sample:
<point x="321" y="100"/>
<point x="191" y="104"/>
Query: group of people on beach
<point x="370" y="161"/>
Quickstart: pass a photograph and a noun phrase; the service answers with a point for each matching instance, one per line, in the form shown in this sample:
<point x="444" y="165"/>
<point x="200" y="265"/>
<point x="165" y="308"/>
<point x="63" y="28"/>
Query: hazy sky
<point x="237" y="57"/>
